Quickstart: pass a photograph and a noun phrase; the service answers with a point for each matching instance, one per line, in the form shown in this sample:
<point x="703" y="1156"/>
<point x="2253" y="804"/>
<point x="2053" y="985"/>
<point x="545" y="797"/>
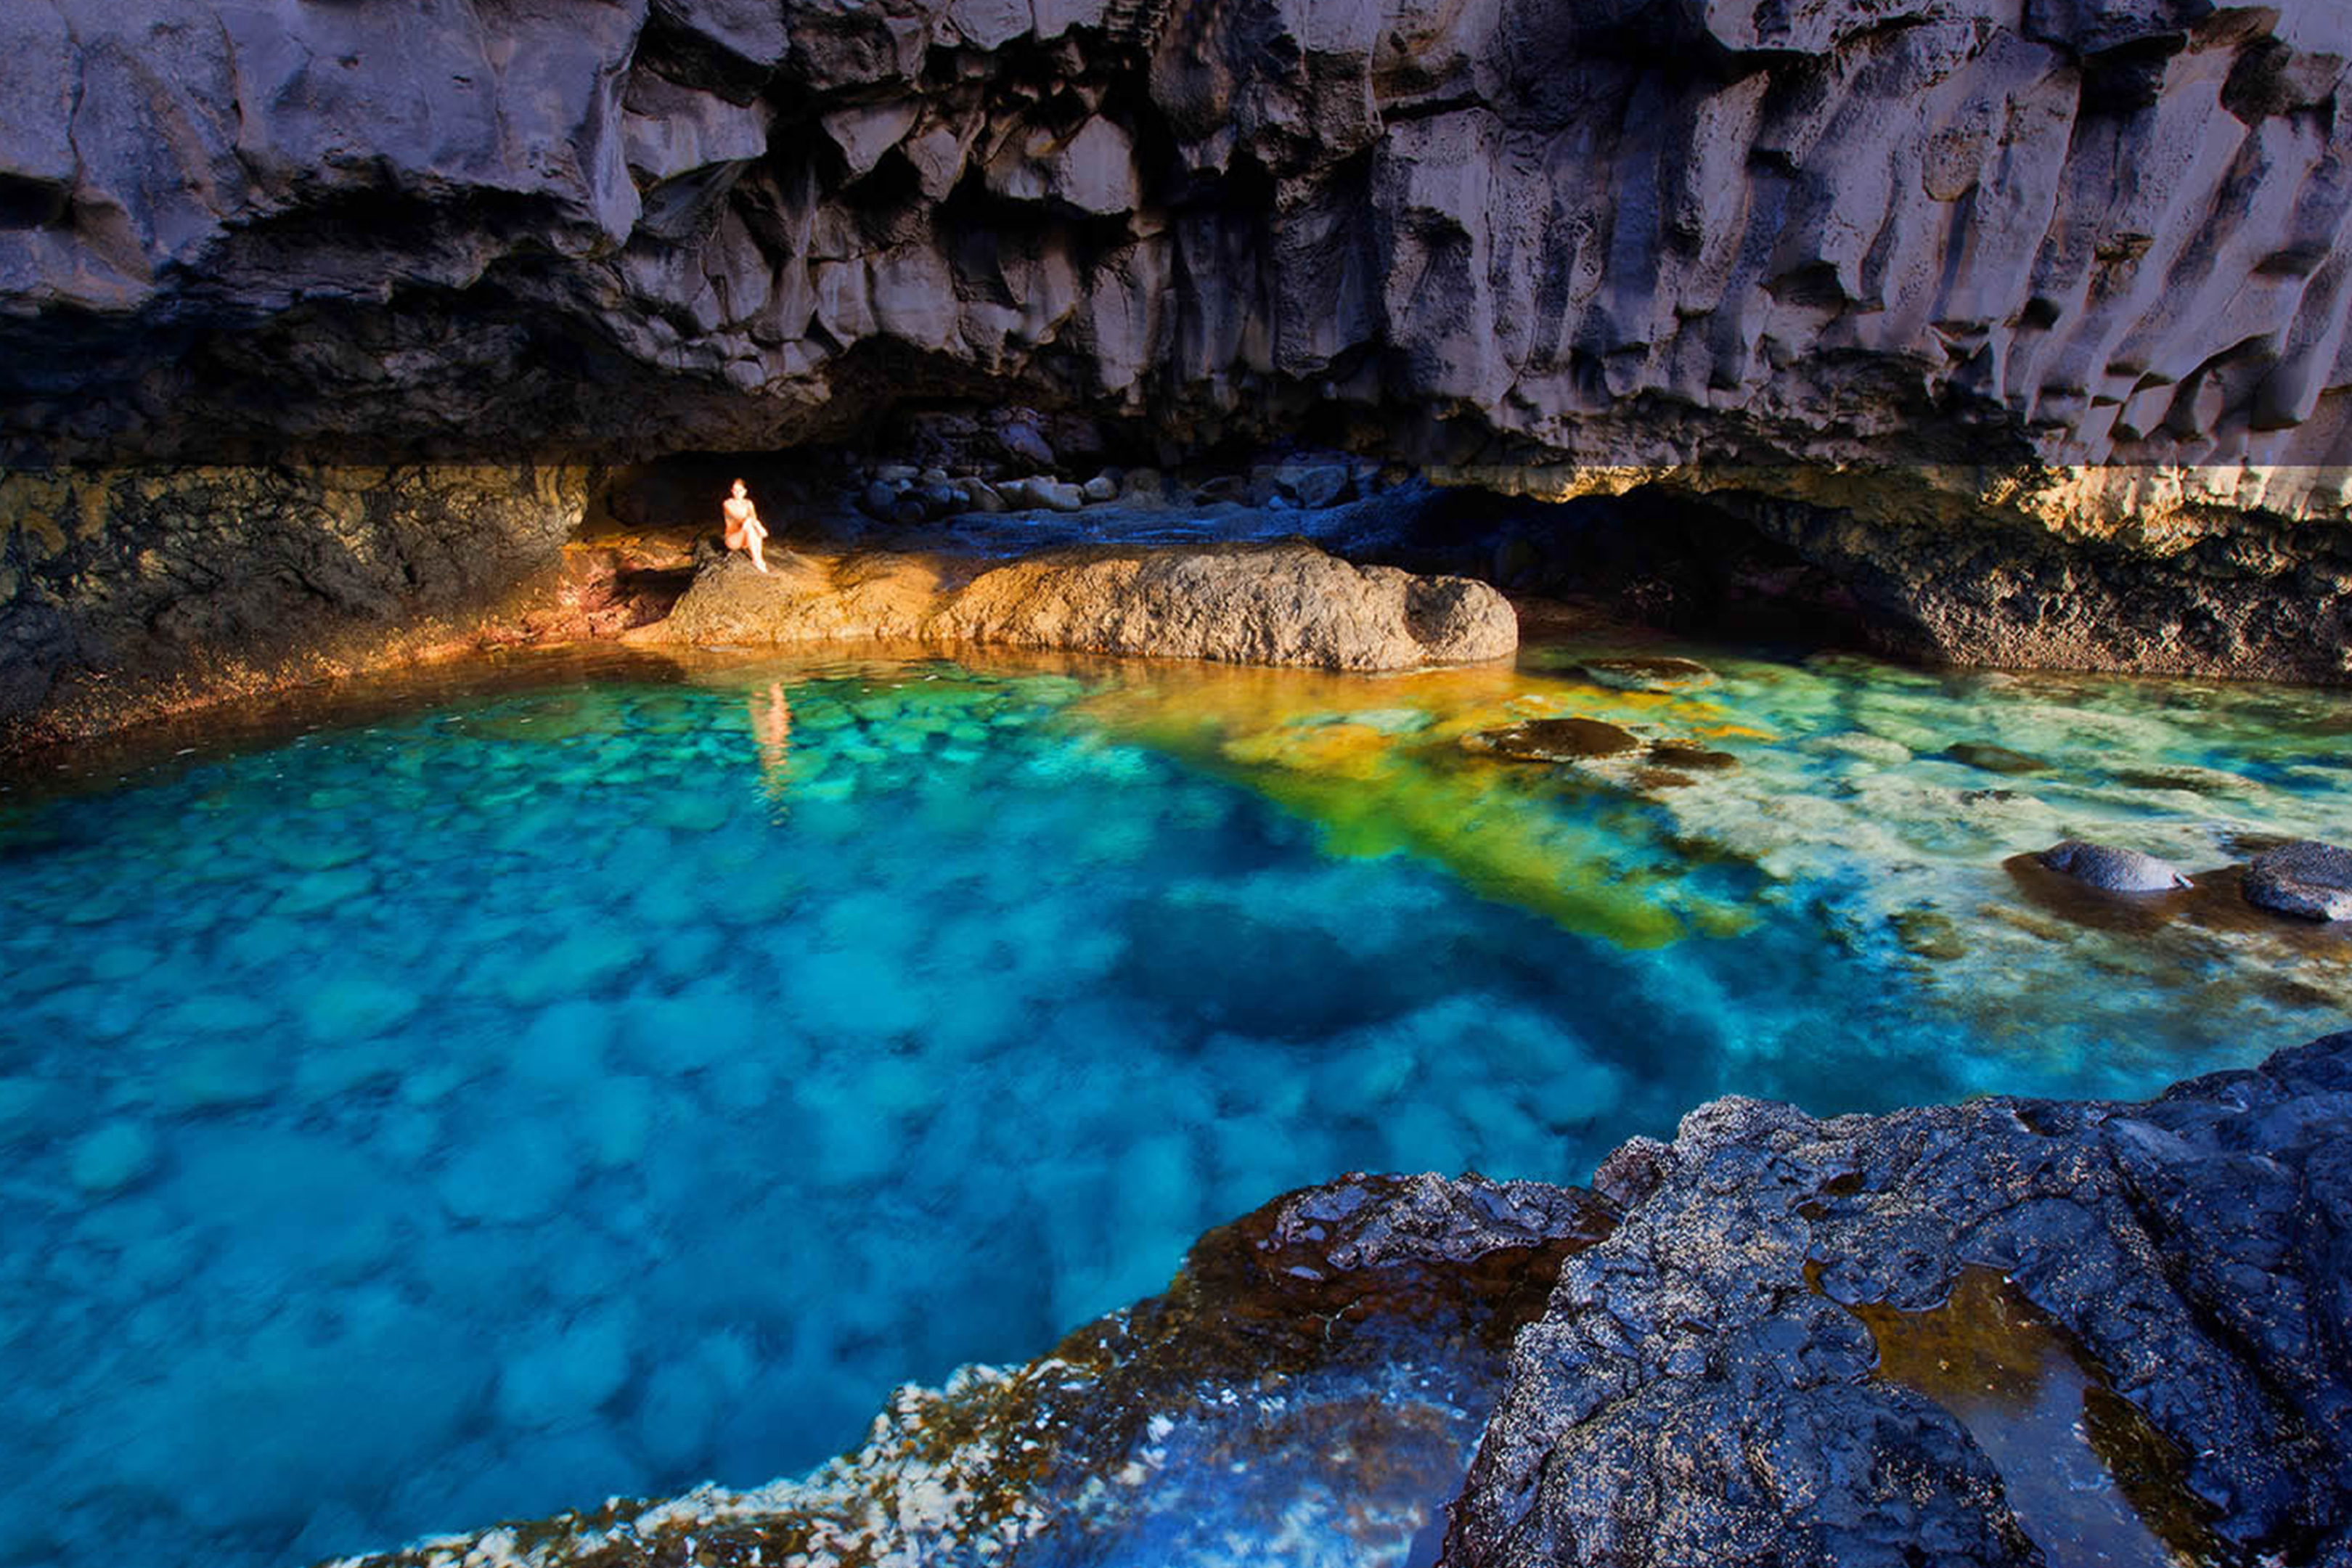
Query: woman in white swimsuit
<point x="744" y="529"/>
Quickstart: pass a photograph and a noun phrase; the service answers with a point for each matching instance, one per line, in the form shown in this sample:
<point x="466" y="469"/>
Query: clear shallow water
<point x="602" y="1086"/>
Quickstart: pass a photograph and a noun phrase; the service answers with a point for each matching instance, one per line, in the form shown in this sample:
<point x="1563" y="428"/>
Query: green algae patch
<point x="1387" y="765"/>
<point x="1995" y="759"/>
<point x="1924" y="933"/>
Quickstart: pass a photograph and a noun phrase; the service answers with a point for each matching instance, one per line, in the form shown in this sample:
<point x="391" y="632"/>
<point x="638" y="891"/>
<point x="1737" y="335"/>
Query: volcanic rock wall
<point x="125" y="592"/>
<point x="2071" y="267"/>
<point x="1644" y="231"/>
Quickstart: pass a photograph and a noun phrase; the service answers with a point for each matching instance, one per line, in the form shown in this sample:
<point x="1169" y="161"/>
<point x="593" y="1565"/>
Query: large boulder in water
<point x="2306" y="879"/>
<point x="2116" y="871"/>
<point x="1285" y="603"/>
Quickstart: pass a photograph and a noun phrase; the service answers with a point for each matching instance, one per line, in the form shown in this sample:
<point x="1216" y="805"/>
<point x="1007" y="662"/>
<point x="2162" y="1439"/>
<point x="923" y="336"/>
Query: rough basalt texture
<point x="1642" y="233"/>
<point x="1698" y="1391"/>
<point x="1244" y="604"/>
<point x="126" y="593"/>
<point x="2113" y="867"/>
<point x="2312" y="881"/>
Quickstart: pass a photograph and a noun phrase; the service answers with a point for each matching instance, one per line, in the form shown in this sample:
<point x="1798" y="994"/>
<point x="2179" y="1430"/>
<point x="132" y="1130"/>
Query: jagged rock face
<point x="1644" y="232"/>
<point x="128" y="592"/>
<point x="2141" y="576"/>
<point x="1704" y="1386"/>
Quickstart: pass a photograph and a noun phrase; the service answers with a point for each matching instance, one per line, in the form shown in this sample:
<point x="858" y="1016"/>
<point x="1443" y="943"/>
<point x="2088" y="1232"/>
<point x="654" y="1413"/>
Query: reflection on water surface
<point x="2089" y="1477"/>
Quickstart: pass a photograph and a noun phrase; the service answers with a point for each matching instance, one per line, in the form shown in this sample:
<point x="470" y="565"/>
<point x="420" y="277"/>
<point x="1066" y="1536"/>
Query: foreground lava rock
<point x="1371" y="1315"/>
<point x="1930" y="1336"/>
<point x="1701" y="1389"/>
<point x="1248" y="604"/>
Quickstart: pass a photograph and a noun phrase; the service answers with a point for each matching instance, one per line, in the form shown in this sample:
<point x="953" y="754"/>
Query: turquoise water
<point x="528" y="1095"/>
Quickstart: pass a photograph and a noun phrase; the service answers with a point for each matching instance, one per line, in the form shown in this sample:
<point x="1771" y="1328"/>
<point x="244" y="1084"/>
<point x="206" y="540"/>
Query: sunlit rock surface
<point x="129" y="593"/>
<point x="1247" y="604"/>
<point x="2308" y="880"/>
<point x="2115" y="869"/>
<point x="1308" y="1391"/>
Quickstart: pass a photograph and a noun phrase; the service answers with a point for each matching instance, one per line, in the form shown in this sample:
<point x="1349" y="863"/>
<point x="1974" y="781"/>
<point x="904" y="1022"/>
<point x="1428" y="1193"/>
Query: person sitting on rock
<point x="744" y="529"/>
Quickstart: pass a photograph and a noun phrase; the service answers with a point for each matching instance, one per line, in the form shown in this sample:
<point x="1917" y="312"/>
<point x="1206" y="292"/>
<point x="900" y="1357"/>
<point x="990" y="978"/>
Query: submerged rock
<point x="1995" y="759"/>
<point x="1555" y="740"/>
<point x="1691" y="755"/>
<point x="1924" y="933"/>
<point x="1286" y="603"/>
<point x="2116" y="870"/>
<point x="2306" y="879"/>
<point x="1649" y="674"/>
<point x="114" y="1156"/>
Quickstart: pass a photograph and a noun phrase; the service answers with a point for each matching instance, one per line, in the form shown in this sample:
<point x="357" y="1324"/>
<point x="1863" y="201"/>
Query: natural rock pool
<point x="610" y="1076"/>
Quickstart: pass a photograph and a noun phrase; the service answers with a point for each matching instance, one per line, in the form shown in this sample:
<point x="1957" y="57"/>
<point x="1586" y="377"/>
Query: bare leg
<point x="752" y="536"/>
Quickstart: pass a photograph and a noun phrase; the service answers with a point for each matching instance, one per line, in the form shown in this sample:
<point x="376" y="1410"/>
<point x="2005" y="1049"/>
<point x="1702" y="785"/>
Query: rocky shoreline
<point x="2005" y="338"/>
<point x="130" y="593"/>
<point x="1277" y="603"/>
<point x="2140" y="1312"/>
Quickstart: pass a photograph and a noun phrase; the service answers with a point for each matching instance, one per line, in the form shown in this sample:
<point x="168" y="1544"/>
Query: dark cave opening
<point x="1653" y="557"/>
<point x="29" y="202"/>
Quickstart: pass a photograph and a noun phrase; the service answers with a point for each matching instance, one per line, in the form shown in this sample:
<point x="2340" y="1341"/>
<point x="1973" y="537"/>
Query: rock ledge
<point x="1285" y="603"/>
